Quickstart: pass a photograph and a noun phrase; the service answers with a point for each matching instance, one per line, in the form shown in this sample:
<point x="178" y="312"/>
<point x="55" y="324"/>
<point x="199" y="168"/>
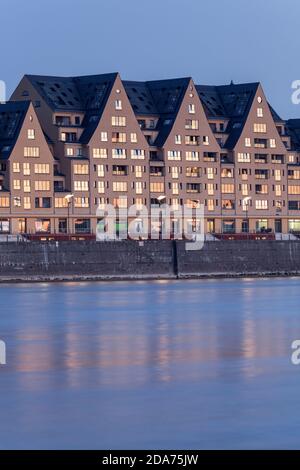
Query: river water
<point x="151" y="365"/>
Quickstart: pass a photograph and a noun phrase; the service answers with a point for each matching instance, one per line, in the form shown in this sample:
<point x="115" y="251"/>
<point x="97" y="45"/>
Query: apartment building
<point x="104" y="140"/>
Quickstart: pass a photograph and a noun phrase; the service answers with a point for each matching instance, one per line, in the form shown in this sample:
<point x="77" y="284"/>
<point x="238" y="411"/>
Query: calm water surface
<point x="181" y="364"/>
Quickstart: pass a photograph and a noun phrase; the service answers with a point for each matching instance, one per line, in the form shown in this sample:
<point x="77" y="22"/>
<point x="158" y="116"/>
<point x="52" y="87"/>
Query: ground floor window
<point x="42" y="225"/>
<point x="245" y="226"/>
<point x="278" y="225"/>
<point x="4" y="226"/>
<point x="121" y="228"/>
<point x="261" y="225"/>
<point x="62" y="225"/>
<point x="228" y="226"/>
<point x="82" y="226"/>
<point x="211" y="225"/>
<point x="294" y="225"/>
<point x="22" y="225"/>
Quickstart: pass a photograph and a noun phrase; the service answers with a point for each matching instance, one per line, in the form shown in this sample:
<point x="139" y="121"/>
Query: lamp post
<point x="69" y="198"/>
<point x="246" y="201"/>
<point x="160" y="199"/>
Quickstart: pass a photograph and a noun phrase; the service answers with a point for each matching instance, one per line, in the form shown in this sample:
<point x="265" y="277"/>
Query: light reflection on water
<point x="210" y="359"/>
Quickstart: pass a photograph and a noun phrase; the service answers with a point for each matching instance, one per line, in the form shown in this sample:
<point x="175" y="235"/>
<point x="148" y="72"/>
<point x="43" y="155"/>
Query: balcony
<point x="209" y="157"/>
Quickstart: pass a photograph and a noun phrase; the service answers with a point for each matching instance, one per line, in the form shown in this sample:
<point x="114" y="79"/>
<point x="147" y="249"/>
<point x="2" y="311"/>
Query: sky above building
<point x="212" y="41"/>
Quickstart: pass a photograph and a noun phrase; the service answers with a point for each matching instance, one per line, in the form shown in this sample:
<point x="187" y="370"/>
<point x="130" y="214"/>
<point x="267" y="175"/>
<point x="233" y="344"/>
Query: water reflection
<point x="183" y="364"/>
<point x="124" y="334"/>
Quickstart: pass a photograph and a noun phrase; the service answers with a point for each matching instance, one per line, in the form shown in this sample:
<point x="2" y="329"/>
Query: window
<point x="81" y="202"/>
<point x="60" y="202"/>
<point x="260" y="127"/>
<point x="259" y="112"/>
<point x="178" y="139"/>
<point x="4" y="202"/>
<point x="41" y="185"/>
<point x="261" y="204"/>
<point x="4" y="226"/>
<point x="192" y="156"/>
<point x="27" y="203"/>
<point x="31" y="151"/>
<point x="294" y="225"/>
<point x="157" y="187"/>
<point x="191" y="140"/>
<point x="210" y="173"/>
<point x="70" y="151"/>
<point x="174" y="155"/>
<point x="192" y="124"/>
<point x="133" y="137"/>
<point x="210" y="205"/>
<point x="16" y="167"/>
<point x="175" y="172"/>
<point x="137" y="154"/>
<point x="30" y="134"/>
<point x="42" y="202"/>
<point x="245" y="191"/>
<point x="261" y="189"/>
<point x="81" y="185"/>
<point x="294" y="189"/>
<point x="193" y="187"/>
<point x="293" y="174"/>
<point x="100" y="170"/>
<point x="193" y="172"/>
<point x="40" y="168"/>
<point x="227" y="188"/>
<point x="26" y="186"/>
<point x="210" y="189"/>
<point x="228" y="204"/>
<point x="273" y="143"/>
<point x="138" y="187"/>
<point x="101" y="187"/>
<point x="247" y="142"/>
<point x="138" y="171"/>
<point x="120" y="202"/>
<point x="278" y="191"/>
<point x="118" y="153"/>
<point x="118" y="104"/>
<point x="244" y="157"/>
<point x="99" y="153"/>
<point x="118" y="121"/>
<point x="191" y="109"/>
<point x="81" y="169"/>
<point x="119" y="186"/>
<point x="291" y="158"/>
<point x="103" y="137"/>
<point x="175" y="188"/>
<point x="277" y="175"/>
<point x="17" y="184"/>
<point x="26" y="169"/>
<point x="205" y="140"/>
<point x="119" y="137"/>
<point x="227" y="173"/>
<point x="262" y="174"/>
<point x="42" y="226"/>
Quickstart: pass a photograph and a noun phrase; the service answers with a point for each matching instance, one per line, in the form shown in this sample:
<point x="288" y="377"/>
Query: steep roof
<point x="72" y="93"/>
<point x="12" y="115"/>
<point x="293" y="129"/>
<point x="229" y="101"/>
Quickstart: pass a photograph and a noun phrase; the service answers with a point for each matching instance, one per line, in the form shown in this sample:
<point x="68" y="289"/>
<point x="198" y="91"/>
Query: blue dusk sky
<point x="212" y="41"/>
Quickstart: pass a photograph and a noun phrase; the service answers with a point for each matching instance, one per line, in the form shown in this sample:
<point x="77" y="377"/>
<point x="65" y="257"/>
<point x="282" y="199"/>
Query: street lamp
<point x="246" y="201"/>
<point x="69" y="198"/>
<point x="160" y="200"/>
